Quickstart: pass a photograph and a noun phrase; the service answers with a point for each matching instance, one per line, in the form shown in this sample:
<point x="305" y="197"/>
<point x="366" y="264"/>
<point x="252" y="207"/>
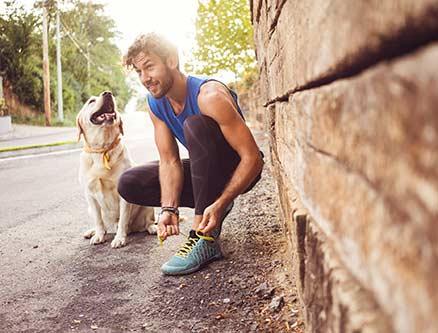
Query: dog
<point x="102" y="161"/>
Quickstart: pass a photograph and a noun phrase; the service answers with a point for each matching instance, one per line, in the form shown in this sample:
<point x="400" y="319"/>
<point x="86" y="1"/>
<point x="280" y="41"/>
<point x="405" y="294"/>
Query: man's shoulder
<point x="213" y="89"/>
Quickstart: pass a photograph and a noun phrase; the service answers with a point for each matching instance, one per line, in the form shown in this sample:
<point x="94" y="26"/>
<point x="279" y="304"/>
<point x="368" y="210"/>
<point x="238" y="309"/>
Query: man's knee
<point x="199" y="125"/>
<point x="125" y="185"/>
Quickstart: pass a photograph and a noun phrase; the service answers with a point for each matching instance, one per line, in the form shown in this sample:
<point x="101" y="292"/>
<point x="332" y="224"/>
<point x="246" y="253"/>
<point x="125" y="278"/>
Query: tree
<point x="86" y="33"/>
<point x="20" y="53"/>
<point x="224" y="38"/>
<point x="89" y="33"/>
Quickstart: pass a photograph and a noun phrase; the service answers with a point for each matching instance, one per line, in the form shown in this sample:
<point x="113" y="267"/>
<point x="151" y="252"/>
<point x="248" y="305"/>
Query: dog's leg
<point x="89" y="233"/>
<point x="151" y="226"/>
<point x="123" y="225"/>
<point x="98" y="236"/>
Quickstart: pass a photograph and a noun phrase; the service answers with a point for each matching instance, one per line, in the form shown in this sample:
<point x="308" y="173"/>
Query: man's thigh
<point x="141" y="185"/>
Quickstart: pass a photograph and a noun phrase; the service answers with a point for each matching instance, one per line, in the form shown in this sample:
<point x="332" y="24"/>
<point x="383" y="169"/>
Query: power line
<point x="76" y="43"/>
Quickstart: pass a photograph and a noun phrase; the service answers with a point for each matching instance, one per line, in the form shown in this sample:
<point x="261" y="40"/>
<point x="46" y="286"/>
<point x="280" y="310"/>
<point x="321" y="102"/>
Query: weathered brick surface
<point x="369" y="173"/>
<point x="366" y="171"/>
<point x="353" y="124"/>
<point x="334" y="301"/>
<point x="323" y="39"/>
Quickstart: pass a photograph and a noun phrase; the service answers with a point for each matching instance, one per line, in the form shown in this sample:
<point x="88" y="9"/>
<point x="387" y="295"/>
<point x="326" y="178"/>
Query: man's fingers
<point x="210" y="226"/>
<point x="203" y="223"/>
<point x="162" y="235"/>
<point x="161" y="229"/>
<point x="169" y="230"/>
<point x="176" y="229"/>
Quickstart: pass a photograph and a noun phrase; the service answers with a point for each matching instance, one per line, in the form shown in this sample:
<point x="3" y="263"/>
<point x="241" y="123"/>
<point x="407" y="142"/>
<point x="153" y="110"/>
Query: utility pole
<point x="88" y="69"/>
<point x="88" y="49"/>
<point x="58" y="65"/>
<point x="46" y="74"/>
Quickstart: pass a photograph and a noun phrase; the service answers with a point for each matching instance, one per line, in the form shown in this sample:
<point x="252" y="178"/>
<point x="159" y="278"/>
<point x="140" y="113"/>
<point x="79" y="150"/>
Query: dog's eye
<point x="91" y="101"/>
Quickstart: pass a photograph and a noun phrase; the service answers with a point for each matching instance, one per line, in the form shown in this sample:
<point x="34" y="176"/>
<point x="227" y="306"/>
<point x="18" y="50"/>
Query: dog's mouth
<point x="106" y="114"/>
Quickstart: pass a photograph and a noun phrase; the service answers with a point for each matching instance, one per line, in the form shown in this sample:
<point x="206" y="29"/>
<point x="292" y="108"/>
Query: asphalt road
<point x="51" y="279"/>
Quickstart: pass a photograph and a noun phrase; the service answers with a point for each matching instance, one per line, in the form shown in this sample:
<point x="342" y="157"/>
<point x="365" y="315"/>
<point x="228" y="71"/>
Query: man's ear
<point x="80" y="129"/>
<point x="173" y="60"/>
<point x="121" y="126"/>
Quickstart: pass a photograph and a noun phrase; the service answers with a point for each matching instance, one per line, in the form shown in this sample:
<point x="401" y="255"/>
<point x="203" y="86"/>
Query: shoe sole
<point x="196" y="268"/>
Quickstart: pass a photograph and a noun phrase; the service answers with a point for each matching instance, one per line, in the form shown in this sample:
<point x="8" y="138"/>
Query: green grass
<point x="39" y="120"/>
<point x="60" y="143"/>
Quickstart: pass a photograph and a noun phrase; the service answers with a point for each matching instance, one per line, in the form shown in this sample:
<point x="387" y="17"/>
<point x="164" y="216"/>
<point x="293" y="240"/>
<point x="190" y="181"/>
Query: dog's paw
<point x="152" y="229"/>
<point x="89" y="233"/>
<point x="118" y="241"/>
<point x="98" y="238"/>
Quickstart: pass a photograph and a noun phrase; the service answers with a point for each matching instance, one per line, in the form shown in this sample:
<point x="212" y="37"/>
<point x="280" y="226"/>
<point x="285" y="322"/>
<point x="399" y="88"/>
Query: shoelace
<point x="188" y="246"/>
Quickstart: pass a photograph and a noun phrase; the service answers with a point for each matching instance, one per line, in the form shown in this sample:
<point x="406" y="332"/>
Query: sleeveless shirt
<point x="163" y="110"/>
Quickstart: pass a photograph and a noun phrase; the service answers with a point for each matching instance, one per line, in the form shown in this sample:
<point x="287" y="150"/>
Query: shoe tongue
<point x="192" y="234"/>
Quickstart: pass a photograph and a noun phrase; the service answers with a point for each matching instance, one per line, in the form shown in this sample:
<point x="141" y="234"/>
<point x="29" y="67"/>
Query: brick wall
<point x="351" y="95"/>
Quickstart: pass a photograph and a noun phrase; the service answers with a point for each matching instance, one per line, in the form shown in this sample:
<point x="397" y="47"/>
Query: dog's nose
<point x="106" y="93"/>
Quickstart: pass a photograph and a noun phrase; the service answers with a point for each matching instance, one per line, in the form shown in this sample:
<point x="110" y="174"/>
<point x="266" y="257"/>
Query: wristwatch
<point x="172" y="210"/>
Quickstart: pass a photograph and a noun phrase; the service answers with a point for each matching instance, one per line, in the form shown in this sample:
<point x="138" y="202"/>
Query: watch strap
<point x="172" y="210"/>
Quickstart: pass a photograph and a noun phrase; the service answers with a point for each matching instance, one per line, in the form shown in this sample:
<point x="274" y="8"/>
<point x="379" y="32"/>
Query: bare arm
<point x="216" y="102"/>
<point x="171" y="175"/>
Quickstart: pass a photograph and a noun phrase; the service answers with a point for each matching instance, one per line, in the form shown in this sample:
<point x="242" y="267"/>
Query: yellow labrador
<point x="102" y="161"/>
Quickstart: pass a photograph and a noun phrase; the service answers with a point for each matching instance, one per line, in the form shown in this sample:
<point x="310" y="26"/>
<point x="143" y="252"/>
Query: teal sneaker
<point x="216" y="232"/>
<point x="197" y="252"/>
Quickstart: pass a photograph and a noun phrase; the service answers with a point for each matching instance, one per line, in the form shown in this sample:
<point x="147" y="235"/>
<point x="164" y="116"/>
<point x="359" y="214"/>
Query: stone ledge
<point x="333" y="300"/>
<point x="361" y="154"/>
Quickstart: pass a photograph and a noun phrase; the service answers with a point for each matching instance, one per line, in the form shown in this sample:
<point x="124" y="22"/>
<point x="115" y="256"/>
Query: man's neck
<point x="177" y="94"/>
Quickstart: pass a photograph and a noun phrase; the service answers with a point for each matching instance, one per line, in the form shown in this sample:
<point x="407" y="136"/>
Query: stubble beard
<point x="166" y="84"/>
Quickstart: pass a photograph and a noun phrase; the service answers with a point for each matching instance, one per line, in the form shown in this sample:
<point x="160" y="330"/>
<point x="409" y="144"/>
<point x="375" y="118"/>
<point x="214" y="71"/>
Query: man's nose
<point x="145" y="79"/>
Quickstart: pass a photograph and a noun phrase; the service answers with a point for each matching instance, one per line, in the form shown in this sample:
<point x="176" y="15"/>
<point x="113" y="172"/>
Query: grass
<point x="39" y="120"/>
<point x="60" y="143"/>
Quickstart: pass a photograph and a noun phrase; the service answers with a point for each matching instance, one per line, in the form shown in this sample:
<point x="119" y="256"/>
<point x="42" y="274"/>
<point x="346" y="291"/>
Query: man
<point x="224" y="160"/>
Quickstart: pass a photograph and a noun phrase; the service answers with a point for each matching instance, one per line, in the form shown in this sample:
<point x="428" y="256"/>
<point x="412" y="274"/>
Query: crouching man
<point x="224" y="160"/>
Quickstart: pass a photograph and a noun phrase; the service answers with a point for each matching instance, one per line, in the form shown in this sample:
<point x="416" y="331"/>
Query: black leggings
<point x="210" y="166"/>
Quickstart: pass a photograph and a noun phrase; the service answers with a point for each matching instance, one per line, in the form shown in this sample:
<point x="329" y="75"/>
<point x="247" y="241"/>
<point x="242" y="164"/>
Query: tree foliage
<point x="20" y="58"/>
<point x="86" y="33"/>
<point x="224" y="38"/>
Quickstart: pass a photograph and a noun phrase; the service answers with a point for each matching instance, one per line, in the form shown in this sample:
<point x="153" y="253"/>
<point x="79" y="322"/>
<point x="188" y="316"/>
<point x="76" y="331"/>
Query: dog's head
<point x="98" y="121"/>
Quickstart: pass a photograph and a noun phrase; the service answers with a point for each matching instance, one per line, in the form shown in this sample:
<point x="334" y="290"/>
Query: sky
<point x="175" y="19"/>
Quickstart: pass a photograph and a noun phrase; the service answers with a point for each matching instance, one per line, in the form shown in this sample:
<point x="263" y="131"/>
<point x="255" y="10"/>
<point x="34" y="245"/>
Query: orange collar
<point x="103" y="151"/>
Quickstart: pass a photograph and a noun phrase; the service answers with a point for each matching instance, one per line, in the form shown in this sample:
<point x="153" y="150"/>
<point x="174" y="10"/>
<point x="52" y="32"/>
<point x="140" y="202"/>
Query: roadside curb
<point x="38" y="149"/>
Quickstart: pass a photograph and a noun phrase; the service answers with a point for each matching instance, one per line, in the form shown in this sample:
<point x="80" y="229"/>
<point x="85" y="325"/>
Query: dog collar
<point x="103" y="151"/>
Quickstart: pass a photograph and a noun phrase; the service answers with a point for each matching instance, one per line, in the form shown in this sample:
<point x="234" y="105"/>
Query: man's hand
<point x="211" y="217"/>
<point x="168" y="225"/>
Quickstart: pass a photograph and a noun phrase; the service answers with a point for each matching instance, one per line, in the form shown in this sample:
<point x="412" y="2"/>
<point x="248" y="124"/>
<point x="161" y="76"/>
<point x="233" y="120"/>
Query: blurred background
<point x="87" y="39"/>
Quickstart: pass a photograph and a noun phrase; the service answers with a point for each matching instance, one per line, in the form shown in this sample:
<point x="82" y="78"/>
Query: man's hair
<point x="150" y="43"/>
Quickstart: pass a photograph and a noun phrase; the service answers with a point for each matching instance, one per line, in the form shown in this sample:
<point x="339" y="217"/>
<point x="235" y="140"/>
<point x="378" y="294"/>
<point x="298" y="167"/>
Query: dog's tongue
<point x="105" y="116"/>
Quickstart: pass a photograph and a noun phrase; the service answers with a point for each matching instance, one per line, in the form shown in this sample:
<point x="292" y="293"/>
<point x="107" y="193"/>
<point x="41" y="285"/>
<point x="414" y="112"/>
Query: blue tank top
<point x="162" y="108"/>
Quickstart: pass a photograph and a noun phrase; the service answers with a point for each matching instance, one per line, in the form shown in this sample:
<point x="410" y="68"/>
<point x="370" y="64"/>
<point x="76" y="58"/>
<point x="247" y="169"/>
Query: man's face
<point x="154" y="74"/>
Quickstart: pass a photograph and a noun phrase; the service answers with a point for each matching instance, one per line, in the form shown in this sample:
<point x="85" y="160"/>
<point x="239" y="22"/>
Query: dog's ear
<point x="80" y="129"/>
<point x="121" y="126"/>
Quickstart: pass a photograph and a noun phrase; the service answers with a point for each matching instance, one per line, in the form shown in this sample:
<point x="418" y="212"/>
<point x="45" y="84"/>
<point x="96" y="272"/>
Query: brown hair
<point x="150" y="43"/>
